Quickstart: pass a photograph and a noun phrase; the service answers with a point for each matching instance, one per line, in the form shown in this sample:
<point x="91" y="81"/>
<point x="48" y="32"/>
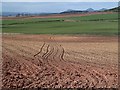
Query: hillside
<point x="116" y="9"/>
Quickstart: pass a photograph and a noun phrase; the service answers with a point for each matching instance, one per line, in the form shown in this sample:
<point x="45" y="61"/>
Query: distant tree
<point x="18" y="15"/>
<point x="22" y="14"/>
<point x="26" y="14"/>
<point x="9" y="15"/>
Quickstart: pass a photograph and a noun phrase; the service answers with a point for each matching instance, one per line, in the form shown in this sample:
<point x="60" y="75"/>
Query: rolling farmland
<point x="60" y="52"/>
<point x="101" y="24"/>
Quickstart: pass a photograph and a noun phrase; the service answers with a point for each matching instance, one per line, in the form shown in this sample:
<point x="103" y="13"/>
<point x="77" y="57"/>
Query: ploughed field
<point x="54" y="61"/>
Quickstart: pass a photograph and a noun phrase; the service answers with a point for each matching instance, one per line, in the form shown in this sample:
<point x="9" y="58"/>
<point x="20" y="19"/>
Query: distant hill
<point x="72" y="11"/>
<point x="69" y="11"/>
<point x="116" y="9"/>
<point x="9" y="13"/>
<point x="90" y="10"/>
<point x="77" y="11"/>
<point x="82" y="11"/>
<point x="17" y="14"/>
<point x="103" y="9"/>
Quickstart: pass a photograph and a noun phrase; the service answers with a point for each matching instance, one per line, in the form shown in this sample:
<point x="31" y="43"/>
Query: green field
<point x="104" y="24"/>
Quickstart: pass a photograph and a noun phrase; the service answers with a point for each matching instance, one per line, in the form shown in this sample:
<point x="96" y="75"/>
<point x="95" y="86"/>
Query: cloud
<point x="60" y="1"/>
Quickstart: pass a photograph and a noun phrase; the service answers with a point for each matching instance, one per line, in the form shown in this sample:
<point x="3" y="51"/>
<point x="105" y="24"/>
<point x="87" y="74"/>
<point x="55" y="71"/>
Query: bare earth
<point x="54" y="61"/>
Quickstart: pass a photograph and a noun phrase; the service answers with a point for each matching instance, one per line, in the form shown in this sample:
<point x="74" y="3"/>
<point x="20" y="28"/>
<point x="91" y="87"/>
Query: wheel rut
<point x="48" y="65"/>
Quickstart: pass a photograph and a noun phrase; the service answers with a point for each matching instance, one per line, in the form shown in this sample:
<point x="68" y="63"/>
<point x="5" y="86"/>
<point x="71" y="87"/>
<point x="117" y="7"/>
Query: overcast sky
<point x="53" y="7"/>
<point x="59" y="0"/>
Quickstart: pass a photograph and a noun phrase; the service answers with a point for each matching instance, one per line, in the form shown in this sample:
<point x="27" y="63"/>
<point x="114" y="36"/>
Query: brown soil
<point x="54" y="61"/>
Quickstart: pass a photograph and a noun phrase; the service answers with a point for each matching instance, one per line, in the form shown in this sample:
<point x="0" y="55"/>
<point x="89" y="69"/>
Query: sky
<point x="59" y="0"/>
<point x="53" y="7"/>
